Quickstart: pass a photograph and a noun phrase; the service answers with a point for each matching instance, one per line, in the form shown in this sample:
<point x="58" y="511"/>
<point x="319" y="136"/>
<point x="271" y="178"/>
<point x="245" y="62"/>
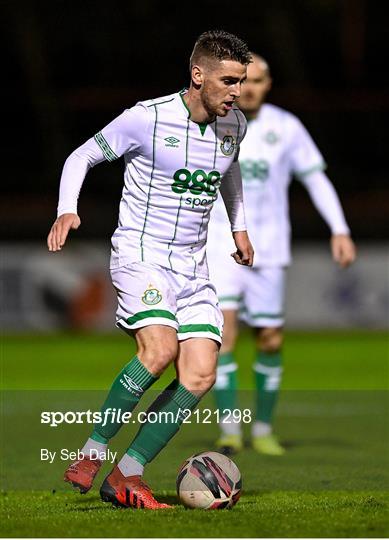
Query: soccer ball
<point x="209" y="480"/>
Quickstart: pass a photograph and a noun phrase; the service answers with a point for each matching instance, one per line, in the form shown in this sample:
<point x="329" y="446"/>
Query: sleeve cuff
<point x="66" y="210"/>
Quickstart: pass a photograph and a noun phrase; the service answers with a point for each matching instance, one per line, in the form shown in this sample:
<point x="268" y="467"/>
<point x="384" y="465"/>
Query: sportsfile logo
<point x="130" y="385"/>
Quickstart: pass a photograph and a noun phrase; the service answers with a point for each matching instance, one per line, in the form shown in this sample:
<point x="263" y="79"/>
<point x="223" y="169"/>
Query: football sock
<point x="268" y="371"/>
<point x="225" y="391"/>
<point x="159" y="428"/>
<point x="93" y="449"/>
<point x="126" y="391"/>
<point x="129" y="466"/>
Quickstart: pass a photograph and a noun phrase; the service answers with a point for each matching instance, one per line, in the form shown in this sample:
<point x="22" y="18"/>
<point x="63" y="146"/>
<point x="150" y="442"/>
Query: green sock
<point x="154" y="435"/>
<point x="268" y="371"/>
<point x="125" y="393"/>
<point x="225" y="388"/>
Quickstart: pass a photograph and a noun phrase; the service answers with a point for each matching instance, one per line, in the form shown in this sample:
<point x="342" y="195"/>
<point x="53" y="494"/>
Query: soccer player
<point x="178" y="151"/>
<point x="276" y="147"/>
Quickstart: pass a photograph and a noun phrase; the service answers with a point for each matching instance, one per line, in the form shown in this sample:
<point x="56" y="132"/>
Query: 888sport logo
<point x="197" y="183"/>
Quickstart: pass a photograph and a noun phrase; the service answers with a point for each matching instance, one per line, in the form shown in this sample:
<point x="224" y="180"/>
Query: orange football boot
<point x="82" y="472"/>
<point x="128" y="491"/>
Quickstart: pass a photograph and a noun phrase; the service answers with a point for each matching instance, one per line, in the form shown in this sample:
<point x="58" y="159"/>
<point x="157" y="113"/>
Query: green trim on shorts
<point x="187" y="328"/>
<point x="230" y="298"/>
<point x="266" y="315"/>
<point x="151" y="313"/>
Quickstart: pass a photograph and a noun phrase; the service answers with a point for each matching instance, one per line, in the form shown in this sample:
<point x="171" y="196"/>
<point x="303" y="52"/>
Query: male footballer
<point x="277" y="146"/>
<point x="179" y="150"/>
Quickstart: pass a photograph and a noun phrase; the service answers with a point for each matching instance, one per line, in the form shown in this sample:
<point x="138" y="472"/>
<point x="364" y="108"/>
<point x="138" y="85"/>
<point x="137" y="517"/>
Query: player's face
<point x="255" y="88"/>
<point x="221" y="86"/>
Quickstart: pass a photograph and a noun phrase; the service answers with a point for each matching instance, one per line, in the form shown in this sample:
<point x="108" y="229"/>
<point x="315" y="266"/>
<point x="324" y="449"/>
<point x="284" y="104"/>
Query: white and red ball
<point x="209" y="480"/>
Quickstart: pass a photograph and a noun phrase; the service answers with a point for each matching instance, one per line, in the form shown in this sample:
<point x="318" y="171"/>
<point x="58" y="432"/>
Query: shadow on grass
<point x="169" y="499"/>
<point x="81" y="504"/>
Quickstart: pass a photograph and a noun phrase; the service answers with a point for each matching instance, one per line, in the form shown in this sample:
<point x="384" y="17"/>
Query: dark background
<point x="69" y="67"/>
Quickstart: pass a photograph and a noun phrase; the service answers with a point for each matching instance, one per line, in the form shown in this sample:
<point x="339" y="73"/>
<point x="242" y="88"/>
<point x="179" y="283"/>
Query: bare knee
<point x="156" y="359"/>
<point x="157" y="348"/>
<point x="200" y="383"/>
<point x="270" y="340"/>
<point x="196" y="365"/>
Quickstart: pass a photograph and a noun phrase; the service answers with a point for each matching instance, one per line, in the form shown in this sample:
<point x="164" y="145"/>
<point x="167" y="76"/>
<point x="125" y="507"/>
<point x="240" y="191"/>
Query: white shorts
<point x="150" y="294"/>
<point x="258" y="293"/>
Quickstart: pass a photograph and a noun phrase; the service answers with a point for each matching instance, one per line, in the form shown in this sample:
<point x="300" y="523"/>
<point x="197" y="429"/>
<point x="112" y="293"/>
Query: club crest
<point x="271" y="137"/>
<point x="227" y="146"/>
<point x="151" y="297"/>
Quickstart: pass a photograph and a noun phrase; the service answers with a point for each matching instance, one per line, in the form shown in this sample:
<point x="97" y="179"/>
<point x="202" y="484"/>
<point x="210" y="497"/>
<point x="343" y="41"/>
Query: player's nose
<point x="235" y="90"/>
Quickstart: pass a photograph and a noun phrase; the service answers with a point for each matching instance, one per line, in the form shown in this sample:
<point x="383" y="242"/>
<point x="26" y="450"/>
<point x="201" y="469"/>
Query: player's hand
<point x="343" y="250"/>
<point x="60" y="230"/>
<point x="244" y="253"/>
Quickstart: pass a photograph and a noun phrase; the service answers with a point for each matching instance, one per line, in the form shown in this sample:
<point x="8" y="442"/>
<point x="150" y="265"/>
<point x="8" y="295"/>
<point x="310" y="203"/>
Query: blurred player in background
<point x="276" y="147"/>
<point x="178" y="151"/>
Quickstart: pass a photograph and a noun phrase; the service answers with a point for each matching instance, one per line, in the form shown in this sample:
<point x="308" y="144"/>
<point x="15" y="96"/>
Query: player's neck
<point x="197" y="111"/>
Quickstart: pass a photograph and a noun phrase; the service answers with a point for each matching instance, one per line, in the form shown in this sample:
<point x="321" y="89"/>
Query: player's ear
<point x="197" y="75"/>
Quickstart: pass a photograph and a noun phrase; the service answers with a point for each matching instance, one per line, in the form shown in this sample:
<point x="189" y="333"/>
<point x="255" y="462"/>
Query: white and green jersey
<point x="174" y="168"/>
<point x="276" y="147"/>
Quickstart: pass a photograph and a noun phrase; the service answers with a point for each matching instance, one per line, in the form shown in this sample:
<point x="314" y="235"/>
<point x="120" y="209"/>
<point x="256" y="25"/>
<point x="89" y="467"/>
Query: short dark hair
<point x="220" y="45"/>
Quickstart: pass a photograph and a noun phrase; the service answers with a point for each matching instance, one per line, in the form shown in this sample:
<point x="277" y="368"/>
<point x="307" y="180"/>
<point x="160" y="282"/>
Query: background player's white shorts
<point x="258" y="293"/>
<point x="150" y="294"/>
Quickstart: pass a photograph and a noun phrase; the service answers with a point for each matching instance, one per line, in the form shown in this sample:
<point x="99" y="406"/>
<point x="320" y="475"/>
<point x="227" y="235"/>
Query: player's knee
<point x="156" y="359"/>
<point x="206" y="382"/>
<point x="200" y="383"/>
<point x="270" y="340"/>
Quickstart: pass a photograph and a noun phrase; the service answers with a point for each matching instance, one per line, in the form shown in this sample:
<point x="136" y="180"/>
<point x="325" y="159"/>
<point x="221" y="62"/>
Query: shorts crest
<point x="151" y="296"/>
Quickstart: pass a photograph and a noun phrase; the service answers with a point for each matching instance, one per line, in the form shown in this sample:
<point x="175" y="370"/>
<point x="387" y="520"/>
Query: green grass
<point x="320" y="360"/>
<point x="333" y="416"/>
<point x="277" y="514"/>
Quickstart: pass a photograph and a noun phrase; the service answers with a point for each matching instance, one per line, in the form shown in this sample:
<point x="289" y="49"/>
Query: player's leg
<point x="226" y="387"/>
<point x="199" y="317"/>
<point x="194" y="379"/>
<point x="227" y="276"/>
<point x="136" y="315"/>
<point x="196" y="372"/>
<point x="265" y="313"/>
<point x="138" y="375"/>
<point x="268" y="371"/>
<point x="199" y="334"/>
<point x="126" y="391"/>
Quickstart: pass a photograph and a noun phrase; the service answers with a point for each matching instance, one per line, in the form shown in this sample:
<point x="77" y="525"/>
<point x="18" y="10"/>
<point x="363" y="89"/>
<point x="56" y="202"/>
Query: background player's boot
<point x="268" y="444"/>
<point x="82" y="472"/>
<point x="128" y="491"/>
<point x="229" y="444"/>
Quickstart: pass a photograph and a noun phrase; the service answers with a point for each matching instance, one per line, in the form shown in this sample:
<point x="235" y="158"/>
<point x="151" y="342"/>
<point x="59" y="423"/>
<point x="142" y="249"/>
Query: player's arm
<point x="73" y="175"/>
<point x="125" y="133"/>
<point x="232" y="192"/>
<point x="326" y="201"/>
<point x="308" y="165"/>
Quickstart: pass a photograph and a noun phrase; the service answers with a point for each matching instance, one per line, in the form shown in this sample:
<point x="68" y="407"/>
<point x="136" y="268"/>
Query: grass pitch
<point x="333" y="416"/>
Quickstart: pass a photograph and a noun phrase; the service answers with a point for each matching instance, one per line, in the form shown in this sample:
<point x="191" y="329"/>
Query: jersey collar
<point x="202" y="125"/>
